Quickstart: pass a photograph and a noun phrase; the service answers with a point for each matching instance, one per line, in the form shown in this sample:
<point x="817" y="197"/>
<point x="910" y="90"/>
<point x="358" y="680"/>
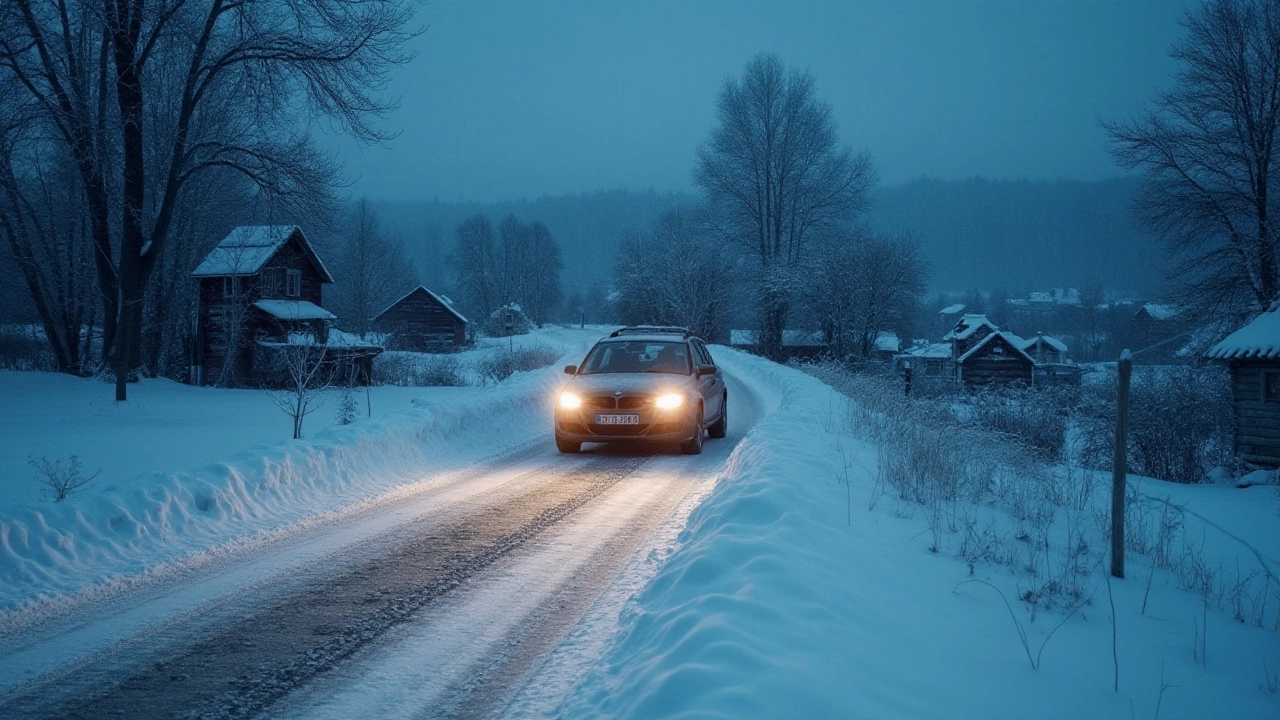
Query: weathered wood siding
<point x="1257" y="432"/>
<point x="960" y="346"/>
<point x="996" y="363"/>
<point x="420" y="322"/>
<point x="226" y="321"/>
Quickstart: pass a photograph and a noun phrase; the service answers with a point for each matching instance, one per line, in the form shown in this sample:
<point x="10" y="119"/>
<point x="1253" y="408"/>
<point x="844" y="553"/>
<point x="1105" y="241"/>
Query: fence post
<point x="1120" y="468"/>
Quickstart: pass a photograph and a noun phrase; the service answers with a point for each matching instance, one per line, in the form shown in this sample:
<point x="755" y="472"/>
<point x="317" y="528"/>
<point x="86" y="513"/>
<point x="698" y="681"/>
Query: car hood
<point x="629" y="383"/>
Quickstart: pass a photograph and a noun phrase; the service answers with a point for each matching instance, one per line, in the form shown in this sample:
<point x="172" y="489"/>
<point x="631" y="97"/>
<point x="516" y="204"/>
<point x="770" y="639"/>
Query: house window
<point x="295" y="283"/>
<point x="232" y="286"/>
<point x="1271" y="386"/>
<point x="272" y="283"/>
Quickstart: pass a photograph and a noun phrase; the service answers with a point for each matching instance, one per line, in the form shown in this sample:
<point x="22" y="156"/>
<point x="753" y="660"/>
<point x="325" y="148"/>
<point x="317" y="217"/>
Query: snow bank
<point x="125" y="528"/>
<point x="789" y="598"/>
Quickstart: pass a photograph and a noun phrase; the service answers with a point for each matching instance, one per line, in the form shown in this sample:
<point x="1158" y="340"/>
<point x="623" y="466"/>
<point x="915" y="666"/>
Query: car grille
<point x="619" y="429"/>
<point x="633" y="402"/>
<point x="599" y="402"/>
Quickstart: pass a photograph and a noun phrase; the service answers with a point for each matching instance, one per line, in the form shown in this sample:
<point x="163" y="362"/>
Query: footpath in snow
<point x="788" y="597"/>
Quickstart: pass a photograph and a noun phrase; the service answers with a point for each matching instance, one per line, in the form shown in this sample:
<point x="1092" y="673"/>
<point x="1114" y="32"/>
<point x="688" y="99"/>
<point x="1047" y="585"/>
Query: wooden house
<point x="996" y="359"/>
<point x="1253" y="355"/>
<point x="968" y="332"/>
<point x="1045" y="349"/>
<point x="260" y="294"/>
<point x="796" y="344"/>
<point x="422" y="321"/>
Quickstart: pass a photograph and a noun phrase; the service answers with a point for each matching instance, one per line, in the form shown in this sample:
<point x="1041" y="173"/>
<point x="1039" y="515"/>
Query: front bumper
<point x="654" y="426"/>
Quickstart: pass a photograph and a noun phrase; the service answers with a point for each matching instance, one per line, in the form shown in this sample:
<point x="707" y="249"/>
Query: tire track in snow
<point x="310" y="632"/>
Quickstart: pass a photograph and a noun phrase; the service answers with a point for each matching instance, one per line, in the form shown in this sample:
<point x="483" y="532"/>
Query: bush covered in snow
<point x="410" y="369"/>
<point x="500" y="365"/>
<point x="1037" y="419"/>
<point x="496" y="325"/>
<point x="1180" y="421"/>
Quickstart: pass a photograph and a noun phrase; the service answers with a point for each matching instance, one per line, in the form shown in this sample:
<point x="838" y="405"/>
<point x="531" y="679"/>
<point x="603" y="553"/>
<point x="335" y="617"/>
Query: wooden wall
<point x="420" y="322"/>
<point x="1257" y="420"/>
<point x="988" y="367"/>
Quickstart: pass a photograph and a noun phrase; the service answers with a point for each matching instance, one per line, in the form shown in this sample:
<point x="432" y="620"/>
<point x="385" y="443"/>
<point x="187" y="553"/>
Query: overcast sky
<point x="513" y="99"/>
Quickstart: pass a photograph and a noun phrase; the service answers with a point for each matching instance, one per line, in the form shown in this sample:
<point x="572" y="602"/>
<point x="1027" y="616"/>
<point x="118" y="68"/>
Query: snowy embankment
<point x="789" y="597"/>
<point x="125" y="527"/>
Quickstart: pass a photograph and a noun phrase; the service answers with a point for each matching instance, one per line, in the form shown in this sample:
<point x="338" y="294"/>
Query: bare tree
<point x="672" y="276"/>
<point x="775" y="178"/>
<point x="307" y="376"/>
<point x="521" y="265"/>
<point x="232" y="79"/>
<point x="474" y="267"/>
<point x="43" y="222"/>
<point x="862" y="285"/>
<point x="540" y="273"/>
<point x="373" y="269"/>
<point x="1206" y="149"/>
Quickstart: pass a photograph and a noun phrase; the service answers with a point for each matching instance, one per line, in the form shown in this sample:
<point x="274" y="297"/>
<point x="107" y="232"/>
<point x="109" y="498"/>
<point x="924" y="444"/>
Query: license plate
<point x="617" y="419"/>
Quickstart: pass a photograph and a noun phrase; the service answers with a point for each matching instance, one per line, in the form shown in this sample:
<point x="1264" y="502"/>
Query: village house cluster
<point x="261" y="298"/>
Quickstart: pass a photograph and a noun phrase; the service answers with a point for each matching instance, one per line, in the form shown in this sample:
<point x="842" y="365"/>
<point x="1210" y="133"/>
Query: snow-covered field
<point x="792" y="592"/>
<point x="789" y="598"/>
<point x="183" y="468"/>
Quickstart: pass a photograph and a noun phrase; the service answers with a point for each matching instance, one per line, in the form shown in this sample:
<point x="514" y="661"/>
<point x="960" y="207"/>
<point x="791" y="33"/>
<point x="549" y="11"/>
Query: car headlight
<point x="569" y="401"/>
<point x="670" y="401"/>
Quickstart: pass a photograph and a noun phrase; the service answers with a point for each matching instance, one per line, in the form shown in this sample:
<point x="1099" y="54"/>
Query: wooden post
<point x="1120" y="466"/>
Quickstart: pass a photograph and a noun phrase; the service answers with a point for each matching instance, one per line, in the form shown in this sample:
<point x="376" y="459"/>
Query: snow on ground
<point x="789" y="598"/>
<point x="184" y="469"/>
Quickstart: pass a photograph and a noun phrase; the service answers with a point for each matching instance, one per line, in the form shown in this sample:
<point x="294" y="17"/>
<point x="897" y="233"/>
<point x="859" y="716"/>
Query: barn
<point x="1253" y="355"/>
<point x="422" y="321"/>
<point x="996" y="359"/>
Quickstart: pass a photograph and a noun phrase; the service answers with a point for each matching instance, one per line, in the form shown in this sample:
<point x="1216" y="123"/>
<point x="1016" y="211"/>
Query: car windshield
<point x="637" y="356"/>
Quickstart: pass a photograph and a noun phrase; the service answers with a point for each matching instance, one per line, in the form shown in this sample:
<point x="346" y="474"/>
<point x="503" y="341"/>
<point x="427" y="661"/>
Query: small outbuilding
<point x="1045" y="349"/>
<point x="1253" y="355"/>
<point x="422" y="321"/>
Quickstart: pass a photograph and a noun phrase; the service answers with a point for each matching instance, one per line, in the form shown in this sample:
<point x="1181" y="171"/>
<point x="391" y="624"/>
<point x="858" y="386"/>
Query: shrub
<point x="502" y="364"/>
<point x="409" y="369"/>
<point x="61" y="476"/>
<point x="496" y="324"/>
<point x="1180" y="422"/>
<point x="24" y="347"/>
<point x="1037" y="419"/>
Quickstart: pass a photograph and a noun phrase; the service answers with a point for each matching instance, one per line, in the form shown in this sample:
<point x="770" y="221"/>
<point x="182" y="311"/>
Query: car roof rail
<point x="652" y="330"/>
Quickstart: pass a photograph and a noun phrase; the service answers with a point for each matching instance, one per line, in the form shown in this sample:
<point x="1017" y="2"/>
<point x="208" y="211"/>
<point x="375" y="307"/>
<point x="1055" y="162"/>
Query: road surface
<point x="482" y="593"/>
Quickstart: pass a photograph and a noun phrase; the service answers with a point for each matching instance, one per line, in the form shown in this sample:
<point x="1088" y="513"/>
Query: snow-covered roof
<point x="1049" y="340"/>
<point x="246" y="249"/>
<point x="952" y="309"/>
<point x="933" y="351"/>
<point x="969" y="325"/>
<point x="446" y="302"/>
<point x="1260" y="339"/>
<point x="790" y="338"/>
<point x="989" y="339"/>
<point x="887" y="341"/>
<point x="1159" y="311"/>
<point x="294" y="310"/>
<point x="339" y="338"/>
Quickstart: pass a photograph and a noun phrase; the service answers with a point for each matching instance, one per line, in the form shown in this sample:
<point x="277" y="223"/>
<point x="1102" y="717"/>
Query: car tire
<point x="720" y="427"/>
<point x="694" y="446"/>
<point x="568" y="446"/>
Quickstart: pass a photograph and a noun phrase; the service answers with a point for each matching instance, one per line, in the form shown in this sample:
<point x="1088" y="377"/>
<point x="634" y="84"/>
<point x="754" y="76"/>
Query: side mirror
<point x="570" y="369"/>
<point x="707" y="370"/>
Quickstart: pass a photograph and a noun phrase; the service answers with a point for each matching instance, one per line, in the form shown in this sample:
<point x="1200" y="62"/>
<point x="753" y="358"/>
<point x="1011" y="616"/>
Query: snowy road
<point x="483" y="593"/>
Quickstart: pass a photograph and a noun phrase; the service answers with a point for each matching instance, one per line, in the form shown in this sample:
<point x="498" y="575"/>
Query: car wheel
<point x="694" y="446"/>
<point x="567" y="446"/>
<point x="721" y="426"/>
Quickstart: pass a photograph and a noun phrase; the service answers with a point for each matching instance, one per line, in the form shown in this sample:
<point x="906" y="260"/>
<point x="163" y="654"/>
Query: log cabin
<point x="422" y="321"/>
<point x="1253" y="355"/>
<point x="260" y="293"/>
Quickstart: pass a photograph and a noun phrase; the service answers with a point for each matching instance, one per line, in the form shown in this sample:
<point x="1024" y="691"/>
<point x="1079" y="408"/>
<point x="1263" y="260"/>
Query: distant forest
<point x="1015" y="236"/>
